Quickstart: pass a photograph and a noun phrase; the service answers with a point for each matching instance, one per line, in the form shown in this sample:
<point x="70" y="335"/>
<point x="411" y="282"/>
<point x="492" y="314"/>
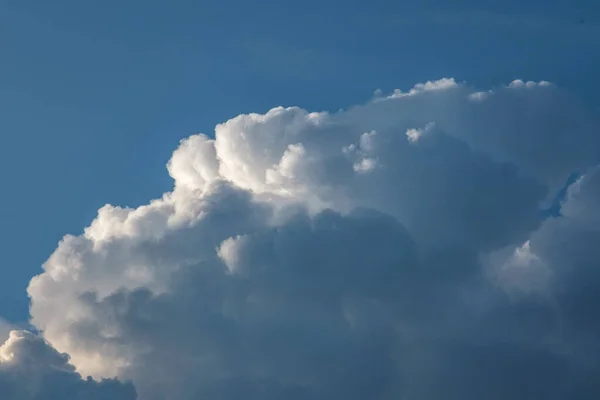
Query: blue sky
<point x="94" y="96"/>
<point x="395" y="247"/>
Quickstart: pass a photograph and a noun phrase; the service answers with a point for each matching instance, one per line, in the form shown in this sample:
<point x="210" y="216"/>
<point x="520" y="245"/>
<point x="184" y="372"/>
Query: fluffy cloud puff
<point x="393" y="250"/>
<point x="32" y="370"/>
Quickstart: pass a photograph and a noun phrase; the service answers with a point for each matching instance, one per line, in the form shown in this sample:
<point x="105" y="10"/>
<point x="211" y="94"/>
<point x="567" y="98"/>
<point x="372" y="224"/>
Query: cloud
<point x="568" y="245"/>
<point x="563" y="255"/>
<point x="32" y="370"/>
<point x="396" y="249"/>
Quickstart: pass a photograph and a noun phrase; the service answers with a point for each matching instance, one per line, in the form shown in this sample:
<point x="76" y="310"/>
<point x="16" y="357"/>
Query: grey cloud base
<point x="396" y="250"/>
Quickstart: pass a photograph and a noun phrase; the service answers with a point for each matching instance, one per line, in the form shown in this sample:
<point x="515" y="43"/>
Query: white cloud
<point x="313" y="255"/>
<point x="522" y="272"/>
<point x="30" y="370"/>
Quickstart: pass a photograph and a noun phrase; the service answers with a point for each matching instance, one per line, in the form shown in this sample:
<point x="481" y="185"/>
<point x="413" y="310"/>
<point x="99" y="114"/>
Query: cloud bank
<point x="395" y="250"/>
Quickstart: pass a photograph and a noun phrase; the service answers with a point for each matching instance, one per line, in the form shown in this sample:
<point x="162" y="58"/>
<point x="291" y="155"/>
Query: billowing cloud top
<point x="394" y="250"/>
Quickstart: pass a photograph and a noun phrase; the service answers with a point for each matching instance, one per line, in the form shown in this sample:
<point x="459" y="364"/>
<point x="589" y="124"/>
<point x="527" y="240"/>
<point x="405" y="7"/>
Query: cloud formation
<point x="397" y="249"/>
<point x="32" y="370"/>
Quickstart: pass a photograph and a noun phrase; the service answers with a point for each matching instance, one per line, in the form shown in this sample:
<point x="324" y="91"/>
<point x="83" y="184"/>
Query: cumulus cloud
<point x="396" y="249"/>
<point x="30" y="369"/>
<point x="568" y="245"/>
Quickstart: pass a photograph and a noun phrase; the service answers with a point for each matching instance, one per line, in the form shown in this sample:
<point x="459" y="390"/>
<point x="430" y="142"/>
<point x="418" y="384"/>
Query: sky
<point x="95" y="98"/>
<point x="95" y="95"/>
